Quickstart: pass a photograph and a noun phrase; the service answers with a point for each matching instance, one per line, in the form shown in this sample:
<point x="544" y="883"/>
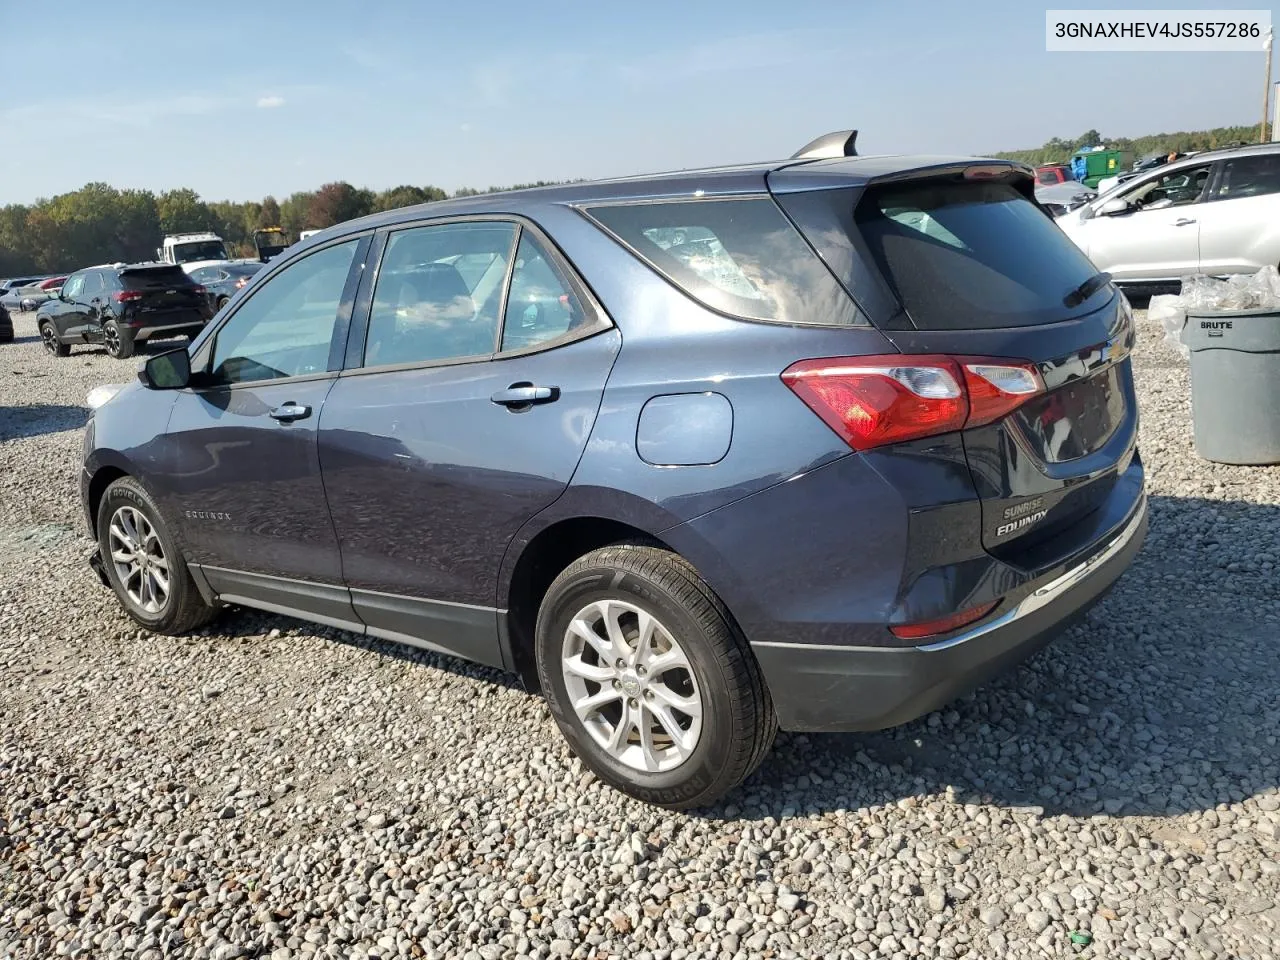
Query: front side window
<point x="741" y="257"/>
<point x="1250" y="177"/>
<point x="542" y="305"/>
<point x="286" y="328"/>
<point x="439" y="293"/>
<point x="73" y="287"/>
<point x="1170" y="190"/>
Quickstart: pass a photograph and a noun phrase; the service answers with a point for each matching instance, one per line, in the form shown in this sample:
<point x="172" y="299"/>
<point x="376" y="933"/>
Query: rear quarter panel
<point x="671" y="345"/>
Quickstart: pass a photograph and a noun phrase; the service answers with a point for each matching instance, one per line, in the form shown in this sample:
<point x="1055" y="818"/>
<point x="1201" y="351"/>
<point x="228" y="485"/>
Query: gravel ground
<point x="272" y="789"/>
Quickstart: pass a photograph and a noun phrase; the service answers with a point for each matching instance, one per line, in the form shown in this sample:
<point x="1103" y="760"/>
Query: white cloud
<point x="270" y="102"/>
<point x="119" y="110"/>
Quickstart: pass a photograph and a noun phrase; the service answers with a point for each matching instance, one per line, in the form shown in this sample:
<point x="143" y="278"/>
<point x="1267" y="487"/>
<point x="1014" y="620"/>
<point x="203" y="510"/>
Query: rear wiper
<point x="1086" y="290"/>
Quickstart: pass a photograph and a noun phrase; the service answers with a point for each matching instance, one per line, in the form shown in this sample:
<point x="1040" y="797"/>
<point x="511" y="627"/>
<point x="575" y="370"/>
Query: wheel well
<point x="97" y="487"/>
<point x="543" y="559"/>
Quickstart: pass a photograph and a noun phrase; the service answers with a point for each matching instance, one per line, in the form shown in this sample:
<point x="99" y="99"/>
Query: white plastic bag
<point x="1242" y="291"/>
<point x="1169" y="312"/>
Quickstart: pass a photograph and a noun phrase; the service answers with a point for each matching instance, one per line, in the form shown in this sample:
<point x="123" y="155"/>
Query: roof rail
<point x="840" y="143"/>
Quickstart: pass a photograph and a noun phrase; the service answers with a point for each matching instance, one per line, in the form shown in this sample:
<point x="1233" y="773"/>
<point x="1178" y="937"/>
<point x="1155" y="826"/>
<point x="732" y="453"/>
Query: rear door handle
<point x="525" y="394"/>
<point x="1184" y="222"/>
<point x="289" y="412"/>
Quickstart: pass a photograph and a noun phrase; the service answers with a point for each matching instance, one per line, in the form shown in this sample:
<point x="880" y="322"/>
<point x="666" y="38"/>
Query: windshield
<point x="199" y="250"/>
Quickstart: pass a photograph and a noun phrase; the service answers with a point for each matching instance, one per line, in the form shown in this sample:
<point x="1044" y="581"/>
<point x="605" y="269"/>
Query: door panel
<point x="1147" y="244"/>
<point x="429" y="479"/>
<point x="91" y="302"/>
<point x="245" y="488"/>
<point x="241" y="464"/>
<point x="1239" y="236"/>
<point x="69" y="318"/>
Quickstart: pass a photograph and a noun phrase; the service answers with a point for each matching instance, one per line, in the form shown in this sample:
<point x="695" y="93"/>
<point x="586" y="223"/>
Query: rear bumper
<point x="164" y="329"/>
<point x="819" y="687"/>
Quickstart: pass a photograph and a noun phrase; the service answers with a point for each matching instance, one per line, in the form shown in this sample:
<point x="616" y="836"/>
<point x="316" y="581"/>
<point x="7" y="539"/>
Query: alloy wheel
<point x="139" y="560"/>
<point x="49" y="338"/>
<point x="631" y="686"/>
<point x="111" y="338"/>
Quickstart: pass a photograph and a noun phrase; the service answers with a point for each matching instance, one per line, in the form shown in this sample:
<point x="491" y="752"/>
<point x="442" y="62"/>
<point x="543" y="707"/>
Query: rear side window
<point x="966" y="256"/>
<point x="741" y="257"/>
<point x="154" y="278"/>
<point x="1250" y="177"/>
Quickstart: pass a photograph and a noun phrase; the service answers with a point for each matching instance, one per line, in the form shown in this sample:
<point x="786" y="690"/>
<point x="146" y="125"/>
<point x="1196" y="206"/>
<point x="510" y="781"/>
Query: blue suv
<point x="817" y="444"/>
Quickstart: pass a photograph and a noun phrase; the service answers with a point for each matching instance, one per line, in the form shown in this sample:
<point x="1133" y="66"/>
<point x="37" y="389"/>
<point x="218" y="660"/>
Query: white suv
<point x="1216" y="213"/>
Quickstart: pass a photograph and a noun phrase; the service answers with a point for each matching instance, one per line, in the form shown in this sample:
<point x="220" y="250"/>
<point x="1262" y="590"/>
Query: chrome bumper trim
<point x="1055" y="588"/>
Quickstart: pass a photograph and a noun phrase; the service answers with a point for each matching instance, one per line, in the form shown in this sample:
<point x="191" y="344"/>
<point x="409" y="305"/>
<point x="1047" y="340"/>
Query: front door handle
<point x="1184" y="222"/>
<point x="289" y="412"/>
<point x="525" y="394"/>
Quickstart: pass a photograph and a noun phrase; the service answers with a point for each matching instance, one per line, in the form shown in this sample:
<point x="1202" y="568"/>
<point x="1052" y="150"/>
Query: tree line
<point x="100" y="224"/>
<point x="1058" y="150"/>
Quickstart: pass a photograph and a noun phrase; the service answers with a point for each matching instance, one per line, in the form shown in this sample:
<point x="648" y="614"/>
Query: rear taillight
<point x="934" y="628"/>
<point x="873" y="401"/>
<point x="199" y="290"/>
<point x="126" y="296"/>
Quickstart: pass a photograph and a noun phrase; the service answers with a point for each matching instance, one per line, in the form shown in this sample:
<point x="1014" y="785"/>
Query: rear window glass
<point x="971" y="256"/>
<point x="153" y="277"/>
<point x="741" y="257"/>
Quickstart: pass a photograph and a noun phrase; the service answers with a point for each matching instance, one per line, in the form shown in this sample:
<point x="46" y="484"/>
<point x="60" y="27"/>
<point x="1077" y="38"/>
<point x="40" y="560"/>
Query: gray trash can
<point x="1235" y="385"/>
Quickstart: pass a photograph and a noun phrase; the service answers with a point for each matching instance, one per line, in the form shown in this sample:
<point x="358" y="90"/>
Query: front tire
<point x="648" y="678"/>
<point x="143" y="562"/>
<point x="52" y="345"/>
<point x="118" y="346"/>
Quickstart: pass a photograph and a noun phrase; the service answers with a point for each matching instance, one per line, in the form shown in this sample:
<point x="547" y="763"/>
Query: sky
<point x="243" y="99"/>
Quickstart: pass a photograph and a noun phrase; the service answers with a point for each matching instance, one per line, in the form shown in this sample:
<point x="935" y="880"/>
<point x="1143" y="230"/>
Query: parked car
<point x="1214" y="213"/>
<point x="6" y="326"/>
<point x="224" y="280"/>
<point x="14" y="291"/>
<point x="1051" y="173"/>
<point x="1060" y="198"/>
<point x="689" y="496"/>
<point x="31" y="296"/>
<point x="121" y="305"/>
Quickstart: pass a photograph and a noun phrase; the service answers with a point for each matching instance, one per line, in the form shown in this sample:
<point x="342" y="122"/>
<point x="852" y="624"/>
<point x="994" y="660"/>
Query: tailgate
<point x="955" y="263"/>
<point x="151" y="290"/>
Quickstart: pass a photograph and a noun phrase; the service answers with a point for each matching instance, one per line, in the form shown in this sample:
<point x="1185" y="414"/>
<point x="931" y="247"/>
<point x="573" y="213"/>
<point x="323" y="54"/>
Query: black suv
<point x="120" y="305"/>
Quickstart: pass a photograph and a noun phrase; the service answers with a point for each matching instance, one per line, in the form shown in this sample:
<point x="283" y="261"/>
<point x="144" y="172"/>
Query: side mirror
<point x="168" y="371"/>
<point x="1113" y="207"/>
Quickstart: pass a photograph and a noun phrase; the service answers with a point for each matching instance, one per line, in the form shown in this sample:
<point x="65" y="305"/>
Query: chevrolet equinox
<point x="817" y="444"/>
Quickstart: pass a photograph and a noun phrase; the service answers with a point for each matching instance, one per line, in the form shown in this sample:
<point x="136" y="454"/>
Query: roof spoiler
<point x="840" y="143"/>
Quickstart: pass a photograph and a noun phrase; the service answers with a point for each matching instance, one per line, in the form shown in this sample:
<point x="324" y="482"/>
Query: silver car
<point x="1216" y="213"/>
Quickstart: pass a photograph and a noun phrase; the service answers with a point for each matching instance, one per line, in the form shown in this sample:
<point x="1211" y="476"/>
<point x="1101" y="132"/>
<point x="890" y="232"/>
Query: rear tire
<point x="602" y="620"/>
<point x="222" y="302"/>
<point x="144" y="565"/>
<point x="52" y="344"/>
<point x="118" y="345"/>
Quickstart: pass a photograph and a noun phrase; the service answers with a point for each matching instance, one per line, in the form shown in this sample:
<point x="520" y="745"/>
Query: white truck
<point x="191" y="251"/>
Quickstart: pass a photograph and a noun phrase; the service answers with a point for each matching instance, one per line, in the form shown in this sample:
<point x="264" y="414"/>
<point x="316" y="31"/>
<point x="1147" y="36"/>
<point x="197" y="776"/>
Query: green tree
<point x="269" y="214"/>
<point x="295" y="213"/>
<point x="182" y="211"/>
<point x="406" y="196"/>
